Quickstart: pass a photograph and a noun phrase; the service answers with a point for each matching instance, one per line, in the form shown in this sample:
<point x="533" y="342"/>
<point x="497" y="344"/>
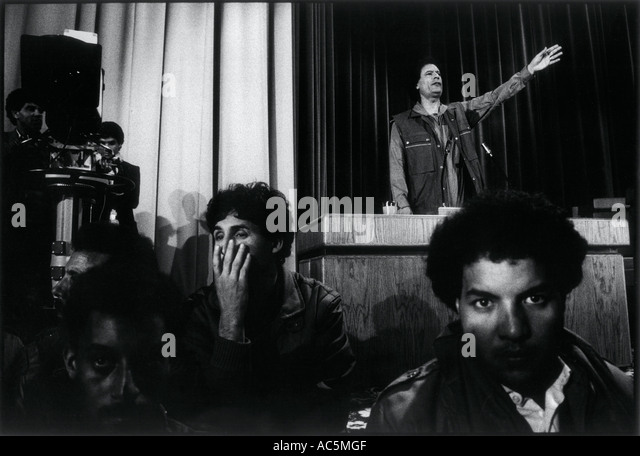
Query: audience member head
<point x="506" y="262"/>
<point x="94" y="243"/>
<point x="113" y="324"/>
<point x="245" y="206"/>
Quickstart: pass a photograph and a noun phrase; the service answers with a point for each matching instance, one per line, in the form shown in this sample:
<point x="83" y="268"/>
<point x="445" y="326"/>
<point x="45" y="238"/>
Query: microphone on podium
<point x="487" y="150"/>
<point x="496" y="164"/>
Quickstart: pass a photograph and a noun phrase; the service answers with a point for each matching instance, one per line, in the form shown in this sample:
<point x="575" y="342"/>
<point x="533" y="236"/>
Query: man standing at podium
<point x="432" y="152"/>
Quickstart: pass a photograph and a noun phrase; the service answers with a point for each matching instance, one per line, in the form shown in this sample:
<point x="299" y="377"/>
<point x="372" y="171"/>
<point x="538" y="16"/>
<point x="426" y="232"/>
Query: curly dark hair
<point x="17" y="99"/>
<point x="502" y="225"/>
<point x="249" y="202"/>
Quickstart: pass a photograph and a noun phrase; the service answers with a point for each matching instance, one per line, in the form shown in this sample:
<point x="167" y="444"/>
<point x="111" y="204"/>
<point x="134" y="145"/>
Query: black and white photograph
<point x="325" y="225"/>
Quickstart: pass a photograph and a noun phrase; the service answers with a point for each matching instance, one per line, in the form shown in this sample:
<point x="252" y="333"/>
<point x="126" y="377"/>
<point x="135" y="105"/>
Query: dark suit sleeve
<point x="132" y="172"/>
<point x="135" y="195"/>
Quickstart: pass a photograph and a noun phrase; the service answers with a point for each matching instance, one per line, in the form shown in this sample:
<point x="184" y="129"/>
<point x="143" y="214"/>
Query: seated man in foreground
<point x="270" y="345"/>
<point x="506" y="263"/>
<point x="116" y="375"/>
<point x="93" y="245"/>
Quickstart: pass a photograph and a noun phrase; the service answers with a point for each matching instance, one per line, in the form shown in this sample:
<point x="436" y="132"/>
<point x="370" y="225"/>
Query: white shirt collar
<point x="547" y="419"/>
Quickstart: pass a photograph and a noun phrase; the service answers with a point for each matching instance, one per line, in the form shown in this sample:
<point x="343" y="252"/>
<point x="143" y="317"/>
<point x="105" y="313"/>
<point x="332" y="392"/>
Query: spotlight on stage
<point x="65" y="73"/>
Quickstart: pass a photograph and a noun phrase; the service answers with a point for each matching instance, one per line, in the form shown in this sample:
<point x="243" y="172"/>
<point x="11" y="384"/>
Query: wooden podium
<point x="377" y="263"/>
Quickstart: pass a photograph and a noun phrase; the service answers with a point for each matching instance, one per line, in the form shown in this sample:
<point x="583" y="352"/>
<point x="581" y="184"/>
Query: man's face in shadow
<point x="29" y="118"/>
<point x="112" y="144"/>
<point x="516" y="318"/>
<point x="119" y="370"/>
<point x="79" y="262"/>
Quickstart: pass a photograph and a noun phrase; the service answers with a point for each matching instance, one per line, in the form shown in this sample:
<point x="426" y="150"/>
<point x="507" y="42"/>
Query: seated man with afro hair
<point x="506" y="263"/>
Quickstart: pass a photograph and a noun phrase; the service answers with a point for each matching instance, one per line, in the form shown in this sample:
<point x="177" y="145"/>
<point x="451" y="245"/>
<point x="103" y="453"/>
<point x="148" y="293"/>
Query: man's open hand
<point x="545" y="58"/>
<point x="230" y="275"/>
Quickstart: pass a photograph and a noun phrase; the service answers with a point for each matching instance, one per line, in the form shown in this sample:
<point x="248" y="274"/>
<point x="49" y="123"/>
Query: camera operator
<point x="109" y="161"/>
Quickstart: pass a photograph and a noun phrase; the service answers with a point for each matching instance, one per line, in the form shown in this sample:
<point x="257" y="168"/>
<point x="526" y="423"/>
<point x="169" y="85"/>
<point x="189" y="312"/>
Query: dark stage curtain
<point x="570" y="134"/>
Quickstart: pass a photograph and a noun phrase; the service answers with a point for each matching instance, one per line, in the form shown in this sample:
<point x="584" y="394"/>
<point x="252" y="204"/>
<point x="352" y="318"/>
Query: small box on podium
<point x="445" y="210"/>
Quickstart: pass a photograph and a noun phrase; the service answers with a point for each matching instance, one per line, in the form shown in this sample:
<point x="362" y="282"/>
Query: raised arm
<point x="477" y="108"/>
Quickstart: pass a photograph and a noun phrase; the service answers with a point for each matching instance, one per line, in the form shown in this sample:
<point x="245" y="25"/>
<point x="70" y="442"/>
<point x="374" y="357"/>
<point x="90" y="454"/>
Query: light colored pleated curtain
<point x="160" y="79"/>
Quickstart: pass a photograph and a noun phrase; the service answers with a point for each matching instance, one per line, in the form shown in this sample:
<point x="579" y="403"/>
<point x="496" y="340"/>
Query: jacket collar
<point x="484" y="398"/>
<point x="418" y="110"/>
<point x="477" y="402"/>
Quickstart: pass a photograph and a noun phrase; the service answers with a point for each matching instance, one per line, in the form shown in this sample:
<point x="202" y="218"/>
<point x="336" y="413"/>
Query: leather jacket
<point x="256" y="386"/>
<point x="452" y="394"/>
